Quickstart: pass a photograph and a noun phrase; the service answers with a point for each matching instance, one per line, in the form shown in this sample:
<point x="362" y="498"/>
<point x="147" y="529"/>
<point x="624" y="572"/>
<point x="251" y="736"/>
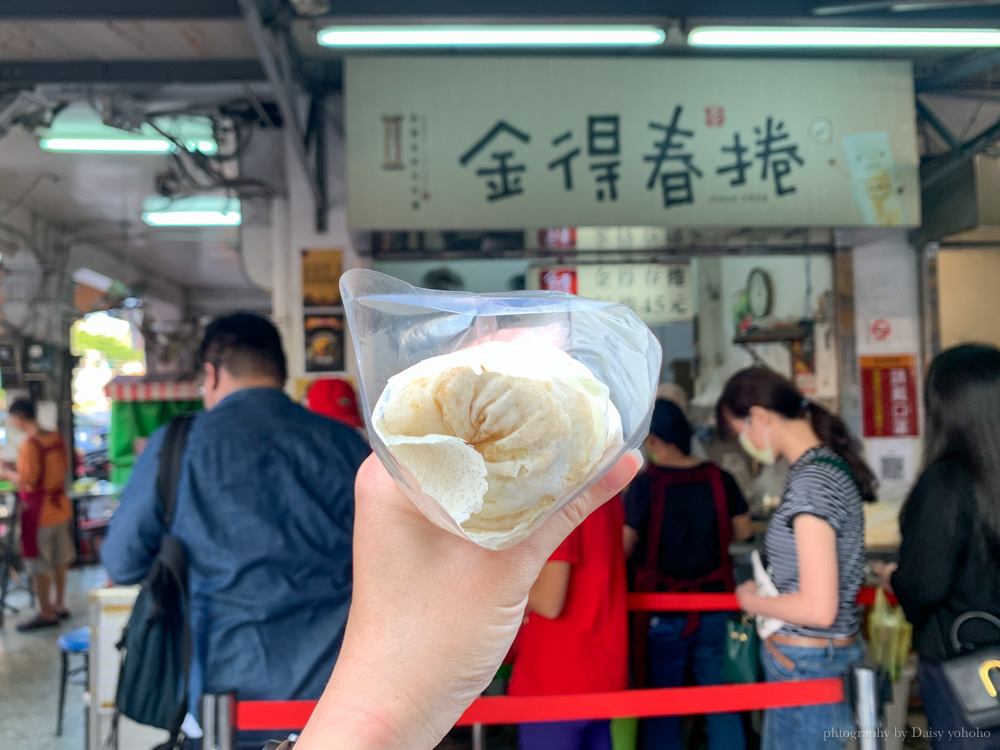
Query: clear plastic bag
<point x="890" y="636"/>
<point x="394" y="326"/>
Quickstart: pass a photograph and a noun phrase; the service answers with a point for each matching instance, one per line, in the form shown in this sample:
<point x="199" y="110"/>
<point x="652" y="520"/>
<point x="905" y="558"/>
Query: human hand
<point x="883" y="571"/>
<point x="431" y="619"/>
<point x="747" y="595"/>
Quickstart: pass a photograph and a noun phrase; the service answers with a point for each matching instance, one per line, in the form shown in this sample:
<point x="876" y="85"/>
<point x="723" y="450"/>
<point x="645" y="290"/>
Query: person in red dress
<point x="575" y="638"/>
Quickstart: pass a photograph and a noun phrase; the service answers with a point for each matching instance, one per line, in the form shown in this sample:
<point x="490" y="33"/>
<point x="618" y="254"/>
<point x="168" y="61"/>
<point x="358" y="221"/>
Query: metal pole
<point x="218" y="722"/>
<point x="867" y="696"/>
<point x="478" y="737"/>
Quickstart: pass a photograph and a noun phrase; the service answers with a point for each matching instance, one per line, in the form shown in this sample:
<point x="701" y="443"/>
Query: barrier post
<point x="478" y="737"/>
<point x="218" y="722"/>
<point x="866" y="689"/>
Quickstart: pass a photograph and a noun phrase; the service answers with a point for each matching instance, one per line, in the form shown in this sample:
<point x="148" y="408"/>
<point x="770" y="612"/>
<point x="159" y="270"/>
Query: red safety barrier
<point x="290" y="715"/>
<point x="721" y="602"/>
<point x="264" y="715"/>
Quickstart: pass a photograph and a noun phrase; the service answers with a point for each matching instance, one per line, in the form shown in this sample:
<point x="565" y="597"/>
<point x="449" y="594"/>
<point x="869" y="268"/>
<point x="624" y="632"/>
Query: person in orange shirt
<point x="47" y="514"/>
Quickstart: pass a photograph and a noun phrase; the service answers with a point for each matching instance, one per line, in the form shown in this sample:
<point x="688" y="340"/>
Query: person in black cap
<point x="682" y="513"/>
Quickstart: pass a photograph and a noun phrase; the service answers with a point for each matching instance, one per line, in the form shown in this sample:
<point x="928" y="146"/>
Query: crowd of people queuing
<point x="270" y="493"/>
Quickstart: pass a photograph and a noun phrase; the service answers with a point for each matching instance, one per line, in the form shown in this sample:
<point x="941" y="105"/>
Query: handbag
<point x="741" y="662"/>
<point x="974" y="677"/>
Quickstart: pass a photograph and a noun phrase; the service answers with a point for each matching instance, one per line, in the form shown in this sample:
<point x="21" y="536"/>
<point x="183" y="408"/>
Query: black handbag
<point x="974" y="677"/>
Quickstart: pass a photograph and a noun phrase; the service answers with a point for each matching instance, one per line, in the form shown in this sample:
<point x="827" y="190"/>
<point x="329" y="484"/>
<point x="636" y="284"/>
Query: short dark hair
<point x="670" y="425"/>
<point x="245" y="345"/>
<point x="23" y="408"/>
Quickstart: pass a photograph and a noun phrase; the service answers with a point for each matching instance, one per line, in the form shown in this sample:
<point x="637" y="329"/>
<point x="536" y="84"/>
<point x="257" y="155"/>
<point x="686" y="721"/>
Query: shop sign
<point x="889" y="396"/>
<point x="321" y="270"/>
<point x="558" y="280"/>
<point x="657" y="292"/>
<point x="446" y="143"/>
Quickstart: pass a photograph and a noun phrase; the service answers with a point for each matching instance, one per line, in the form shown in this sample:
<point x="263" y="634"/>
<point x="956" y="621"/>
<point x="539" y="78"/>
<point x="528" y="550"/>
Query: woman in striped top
<point x="814" y="547"/>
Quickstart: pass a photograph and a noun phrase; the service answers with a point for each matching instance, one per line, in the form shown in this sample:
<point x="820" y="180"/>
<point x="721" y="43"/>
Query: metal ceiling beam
<point x="936" y="170"/>
<point x="971" y="66"/>
<point x="130" y="71"/>
<point x="282" y="68"/>
<point x="942" y="130"/>
<point x="107" y="10"/>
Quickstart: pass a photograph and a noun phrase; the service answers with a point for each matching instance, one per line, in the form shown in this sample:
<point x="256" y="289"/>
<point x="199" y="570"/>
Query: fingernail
<point x="622" y="472"/>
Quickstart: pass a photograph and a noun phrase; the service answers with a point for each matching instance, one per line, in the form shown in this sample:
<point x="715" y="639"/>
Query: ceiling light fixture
<point x="107" y="145"/>
<point x="835" y="36"/>
<point x="192" y="218"/>
<point x="123" y="145"/>
<point x="192" y="211"/>
<point x="490" y="36"/>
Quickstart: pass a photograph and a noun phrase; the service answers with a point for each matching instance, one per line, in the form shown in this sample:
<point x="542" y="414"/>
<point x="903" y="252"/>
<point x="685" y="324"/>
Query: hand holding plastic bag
<point x="493" y="411"/>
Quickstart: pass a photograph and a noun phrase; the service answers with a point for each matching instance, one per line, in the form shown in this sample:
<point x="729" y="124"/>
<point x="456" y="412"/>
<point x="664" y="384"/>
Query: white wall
<point x="798" y="281"/>
<point x="294" y="230"/>
<point x="887" y="286"/>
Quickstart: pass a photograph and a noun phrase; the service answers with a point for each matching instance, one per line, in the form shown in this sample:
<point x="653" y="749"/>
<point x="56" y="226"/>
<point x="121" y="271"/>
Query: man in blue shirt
<point x="265" y="511"/>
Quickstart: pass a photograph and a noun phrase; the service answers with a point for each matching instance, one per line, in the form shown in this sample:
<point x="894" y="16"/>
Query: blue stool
<point x="74" y="642"/>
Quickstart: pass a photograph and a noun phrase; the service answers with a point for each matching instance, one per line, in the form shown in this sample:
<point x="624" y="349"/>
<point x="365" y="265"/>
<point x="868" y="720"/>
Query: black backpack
<point x="156" y="642"/>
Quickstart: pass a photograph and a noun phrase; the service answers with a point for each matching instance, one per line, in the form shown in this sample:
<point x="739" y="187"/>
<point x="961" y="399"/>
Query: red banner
<point x="889" y="396"/>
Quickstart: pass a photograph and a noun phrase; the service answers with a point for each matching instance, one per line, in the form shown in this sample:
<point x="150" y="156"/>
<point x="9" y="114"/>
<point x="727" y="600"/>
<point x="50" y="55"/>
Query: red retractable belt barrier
<point x="290" y="715"/>
<point x="266" y="715"/>
<point x="710" y="602"/>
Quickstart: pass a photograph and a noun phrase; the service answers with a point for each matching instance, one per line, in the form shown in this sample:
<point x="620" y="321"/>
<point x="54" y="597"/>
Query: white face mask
<point x="760" y="455"/>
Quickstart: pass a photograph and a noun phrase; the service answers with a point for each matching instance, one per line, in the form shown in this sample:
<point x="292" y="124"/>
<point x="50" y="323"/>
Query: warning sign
<point x="881" y="330"/>
<point x="889" y="396"/>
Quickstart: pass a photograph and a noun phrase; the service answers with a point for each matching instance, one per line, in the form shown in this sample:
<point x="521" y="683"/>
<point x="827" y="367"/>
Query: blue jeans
<point x="669" y="655"/>
<point x="565" y="735"/>
<point x="944" y="714"/>
<point x="808" y="727"/>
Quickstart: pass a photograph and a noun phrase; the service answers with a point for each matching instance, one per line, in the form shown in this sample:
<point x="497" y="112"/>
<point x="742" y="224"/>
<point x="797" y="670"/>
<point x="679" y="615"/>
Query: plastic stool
<point x="74" y="642"/>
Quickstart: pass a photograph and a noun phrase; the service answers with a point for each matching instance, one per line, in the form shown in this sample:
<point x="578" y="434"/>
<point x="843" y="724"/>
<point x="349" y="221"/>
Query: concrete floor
<point x="29" y="674"/>
<point x="29" y="682"/>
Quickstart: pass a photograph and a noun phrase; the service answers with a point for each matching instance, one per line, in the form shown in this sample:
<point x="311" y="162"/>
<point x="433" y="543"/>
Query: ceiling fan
<point x="897" y="6"/>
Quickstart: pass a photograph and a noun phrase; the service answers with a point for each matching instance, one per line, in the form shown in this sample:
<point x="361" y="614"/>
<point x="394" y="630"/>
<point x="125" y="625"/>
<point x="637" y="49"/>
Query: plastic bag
<point x="889" y="635"/>
<point x="395" y="326"/>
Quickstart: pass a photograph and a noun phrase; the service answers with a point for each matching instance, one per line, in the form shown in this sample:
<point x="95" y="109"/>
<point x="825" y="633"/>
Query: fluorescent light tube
<point x="82" y="144"/>
<point x="819" y="36"/>
<point x="108" y="145"/>
<point x="489" y="36"/>
<point x="192" y="218"/>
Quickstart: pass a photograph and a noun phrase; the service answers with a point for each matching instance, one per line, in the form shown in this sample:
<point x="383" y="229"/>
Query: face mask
<point x="760" y="455"/>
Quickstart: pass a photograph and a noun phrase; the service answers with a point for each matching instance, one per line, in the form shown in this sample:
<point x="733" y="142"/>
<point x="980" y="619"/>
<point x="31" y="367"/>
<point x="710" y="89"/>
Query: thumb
<point x="551" y="534"/>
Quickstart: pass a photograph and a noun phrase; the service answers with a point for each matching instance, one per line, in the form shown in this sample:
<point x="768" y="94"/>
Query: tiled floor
<point x="29" y="675"/>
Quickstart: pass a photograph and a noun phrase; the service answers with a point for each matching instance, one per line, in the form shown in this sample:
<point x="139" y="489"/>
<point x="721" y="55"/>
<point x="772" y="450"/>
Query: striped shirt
<point x="818" y="487"/>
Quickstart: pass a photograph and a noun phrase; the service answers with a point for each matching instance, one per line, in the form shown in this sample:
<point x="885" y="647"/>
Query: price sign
<point x="658" y="292"/>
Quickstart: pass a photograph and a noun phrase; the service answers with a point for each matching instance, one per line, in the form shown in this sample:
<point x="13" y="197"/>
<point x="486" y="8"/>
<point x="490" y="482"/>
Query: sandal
<point x="36" y="623"/>
<point x="63" y="614"/>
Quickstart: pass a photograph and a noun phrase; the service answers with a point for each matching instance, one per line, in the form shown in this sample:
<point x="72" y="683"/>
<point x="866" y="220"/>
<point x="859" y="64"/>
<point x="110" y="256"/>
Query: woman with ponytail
<point x="814" y="547"/>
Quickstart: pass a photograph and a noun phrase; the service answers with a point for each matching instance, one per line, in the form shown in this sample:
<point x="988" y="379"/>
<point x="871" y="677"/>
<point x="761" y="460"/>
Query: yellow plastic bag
<point x="889" y="635"/>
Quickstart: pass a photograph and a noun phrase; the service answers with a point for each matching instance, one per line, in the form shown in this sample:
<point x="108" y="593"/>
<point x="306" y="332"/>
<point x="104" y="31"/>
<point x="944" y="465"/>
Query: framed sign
<point x="324" y="337"/>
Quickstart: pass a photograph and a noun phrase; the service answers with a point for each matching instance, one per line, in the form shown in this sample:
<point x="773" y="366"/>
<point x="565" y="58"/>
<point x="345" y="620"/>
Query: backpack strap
<point x="168" y="478"/>
<point x="171" y="554"/>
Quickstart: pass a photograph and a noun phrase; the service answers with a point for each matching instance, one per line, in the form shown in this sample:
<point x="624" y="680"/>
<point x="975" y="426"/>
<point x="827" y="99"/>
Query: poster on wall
<point x="889" y="396"/>
<point x="507" y="143"/>
<point x="324" y="337"/>
<point x="321" y="270"/>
